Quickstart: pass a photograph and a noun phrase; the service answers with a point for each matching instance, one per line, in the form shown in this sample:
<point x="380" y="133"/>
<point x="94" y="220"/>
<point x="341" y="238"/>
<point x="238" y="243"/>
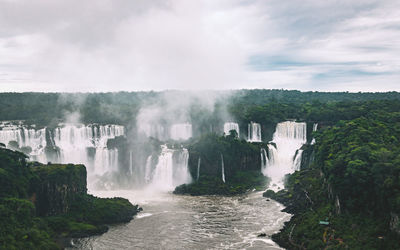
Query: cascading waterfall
<point x="35" y="139"/>
<point x="222" y="168"/>
<point x="267" y="159"/>
<point x="130" y="162"/>
<point x="198" y="169"/>
<point x="315" y="127"/>
<point x="288" y="138"/>
<point x="181" y="131"/>
<point x="148" y="170"/>
<point x="163" y="173"/>
<point x="80" y="144"/>
<point x="74" y="142"/>
<point x="254" y="132"/>
<point x="228" y="126"/>
<point x="171" y="169"/>
<point x="264" y="160"/>
<point x="297" y="160"/>
<point x="181" y="173"/>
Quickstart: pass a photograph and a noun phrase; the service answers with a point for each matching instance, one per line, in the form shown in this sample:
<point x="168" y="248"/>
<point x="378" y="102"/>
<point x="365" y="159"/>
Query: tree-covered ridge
<point x="353" y="183"/>
<point x="46" y="109"/>
<point x="41" y="203"/>
<point x="361" y="159"/>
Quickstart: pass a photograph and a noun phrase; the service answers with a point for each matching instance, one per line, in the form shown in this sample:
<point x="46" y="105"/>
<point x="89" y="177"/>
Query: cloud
<point x="111" y="45"/>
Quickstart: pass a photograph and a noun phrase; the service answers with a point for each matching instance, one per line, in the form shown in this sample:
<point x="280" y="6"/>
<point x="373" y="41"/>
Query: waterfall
<point x="289" y="136"/>
<point x="181" y="131"/>
<point x="264" y="160"/>
<point x="148" y="170"/>
<point x="78" y="143"/>
<point x="181" y="173"/>
<point x="254" y="132"/>
<point x="171" y="170"/>
<point x="130" y="162"/>
<point x="198" y="169"/>
<point x="228" y="126"/>
<point x="34" y="139"/>
<point x="163" y="173"/>
<point x="297" y="160"/>
<point x="74" y="140"/>
<point x="222" y="168"/>
<point x="315" y="127"/>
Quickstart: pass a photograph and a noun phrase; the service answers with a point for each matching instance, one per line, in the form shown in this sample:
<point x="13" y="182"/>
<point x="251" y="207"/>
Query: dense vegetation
<point x="239" y="183"/>
<point x="353" y="183"/>
<point x="44" y="109"/>
<point x="241" y="161"/>
<point x="42" y="203"/>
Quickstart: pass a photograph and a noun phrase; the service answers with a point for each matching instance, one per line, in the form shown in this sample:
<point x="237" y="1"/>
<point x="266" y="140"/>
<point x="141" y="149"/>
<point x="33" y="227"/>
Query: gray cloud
<point x="111" y="45"/>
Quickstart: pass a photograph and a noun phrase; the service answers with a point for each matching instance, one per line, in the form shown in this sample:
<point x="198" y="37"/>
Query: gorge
<point x="157" y="159"/>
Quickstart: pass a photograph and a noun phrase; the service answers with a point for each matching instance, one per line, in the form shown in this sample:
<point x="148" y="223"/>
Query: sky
<point x="114" y="45"/>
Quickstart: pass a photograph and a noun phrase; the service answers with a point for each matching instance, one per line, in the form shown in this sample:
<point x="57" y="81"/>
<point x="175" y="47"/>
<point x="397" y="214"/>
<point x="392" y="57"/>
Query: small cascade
<point x="148" y="170"/>
<point x="198" y="169"/>
<point x="271" y="154"/>
<point x="222" y="168"/>
<point x="289" y="136"/>
<point x="130" y="162"/>
<point x="264" y="160"/>
<point x="181" y="173"/>
<point x="254" y="132"/>
<point x="181" y="131"/>
<point x="228" y="126"/>
<point x="315" y="127"/>
<point x="297" y="160"/>
<point x="171" y="170"/>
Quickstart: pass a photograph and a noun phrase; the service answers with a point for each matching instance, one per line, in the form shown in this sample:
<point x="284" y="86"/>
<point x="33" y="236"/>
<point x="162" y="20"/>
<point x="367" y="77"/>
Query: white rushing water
<point x="228" y="126"/>
<point x="192" y="222"/>
<point x="148" y="170"/>
<point x="171" y="169"/>
<point x="254" y="132"/>
<point x="315" y="127"/>
<point x="74" y="142"/>
<point x="222" y="168"/>
<point x="198" y="169"/>
<point x="77" y="143"/>
<point x="288" y="138"/>
<point x="26" y="137"/>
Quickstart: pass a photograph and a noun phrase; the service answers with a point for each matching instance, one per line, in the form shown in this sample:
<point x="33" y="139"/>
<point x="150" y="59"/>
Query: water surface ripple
<point x="185" y="222"/>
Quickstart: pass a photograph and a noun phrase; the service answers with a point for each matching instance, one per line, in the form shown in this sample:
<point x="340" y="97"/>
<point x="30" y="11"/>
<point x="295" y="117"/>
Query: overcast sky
<point x="112" y="45"/>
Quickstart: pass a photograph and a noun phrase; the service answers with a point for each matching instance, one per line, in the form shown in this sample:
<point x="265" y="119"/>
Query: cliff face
<point x="56" y="187"/>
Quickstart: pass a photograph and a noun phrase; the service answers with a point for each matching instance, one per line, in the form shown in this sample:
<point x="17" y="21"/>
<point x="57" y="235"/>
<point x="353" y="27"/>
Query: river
<point x="185" y="222"/>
